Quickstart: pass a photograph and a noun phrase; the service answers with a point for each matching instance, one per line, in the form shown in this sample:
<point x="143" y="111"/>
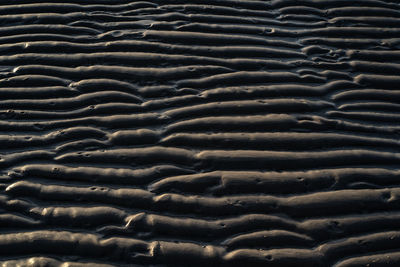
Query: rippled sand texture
<point x="211" y="133"/>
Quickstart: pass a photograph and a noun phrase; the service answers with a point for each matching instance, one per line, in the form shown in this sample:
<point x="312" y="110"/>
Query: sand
<point x="199" y="133"/>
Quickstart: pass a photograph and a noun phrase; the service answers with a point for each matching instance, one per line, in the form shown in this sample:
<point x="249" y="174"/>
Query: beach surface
<point x="200" y="133"/>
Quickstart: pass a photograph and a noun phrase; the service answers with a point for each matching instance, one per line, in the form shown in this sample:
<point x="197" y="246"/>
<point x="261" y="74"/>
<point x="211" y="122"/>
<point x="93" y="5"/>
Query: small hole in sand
<point x="386" y="195"/>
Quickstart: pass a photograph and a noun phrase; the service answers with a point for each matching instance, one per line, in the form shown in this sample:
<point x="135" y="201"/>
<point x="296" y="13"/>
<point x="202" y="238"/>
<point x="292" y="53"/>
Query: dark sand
<point x="200" y="133"/>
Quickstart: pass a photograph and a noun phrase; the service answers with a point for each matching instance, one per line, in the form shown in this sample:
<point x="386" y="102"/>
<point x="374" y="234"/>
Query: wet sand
<point x="200" y="133"/>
